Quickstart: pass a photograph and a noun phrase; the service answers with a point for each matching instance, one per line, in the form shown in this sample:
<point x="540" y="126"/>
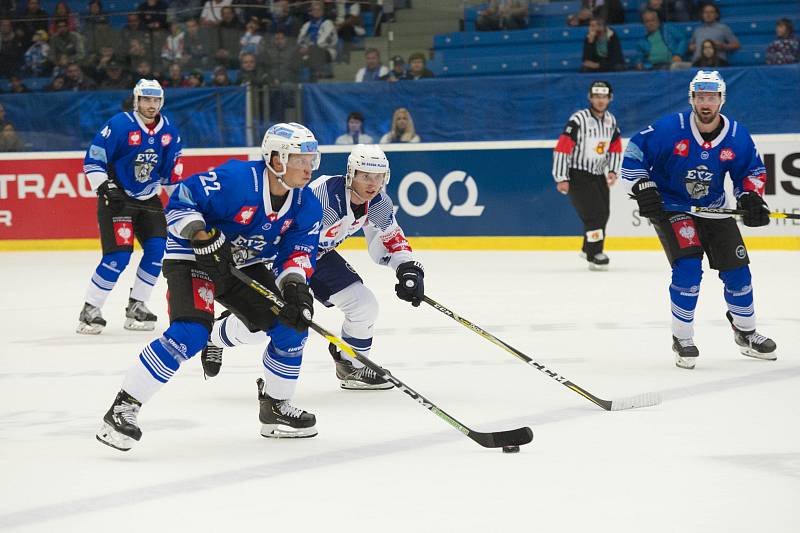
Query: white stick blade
<point x="647" y="399"/>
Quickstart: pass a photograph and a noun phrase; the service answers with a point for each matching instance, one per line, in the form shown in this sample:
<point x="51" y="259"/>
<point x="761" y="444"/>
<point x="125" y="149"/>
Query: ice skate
<point x="138" y="317"/>
<point x="211" y="358"/>
<point x="686" y="353"/>
<point x="119" y="429"/>
<point x="752" y="343"/>
<point x="90" y="321"/>
<point x="598" y="262"/>
<point x="280" y="419"/>
<point x="353" y="378"/>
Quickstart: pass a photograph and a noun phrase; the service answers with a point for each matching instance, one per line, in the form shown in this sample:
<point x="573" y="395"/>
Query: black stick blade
<point x="513" y="437"/>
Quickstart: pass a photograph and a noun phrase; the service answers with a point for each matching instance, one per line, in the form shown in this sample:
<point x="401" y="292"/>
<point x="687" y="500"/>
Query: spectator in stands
<point x="609" y="10"/>
<point x="252" y="40"/>
<point x="786" y="48"/>
<point x="355" y="131"/>
<point x="37" y="57"/>
<point x="116" y="78"/>
<point x="9" y="140"/>
<point x="144" y="69"/>
<point x="283" y="67"/>
<point x="136" y="52"/>
<point x="249" y="71"/>
<point x="62" y="12"/>
<point x="195" y="78"/>
<point x="669" y="10"/>
<point x="34" y="18"/>
<point x="602" y="51"/>
<point x="153" y="14"/>
<point x="319" y="32"/>
<point x="282" y="19"/>
<point x="212" y="11"/>
<point x="183" y="10"/>
<point x="662" y="46"/>
<point x="229" y="31"/>
<point x="220" y="77"/>
<point x="709" y="56"/>
<point x="503" y="15"/>
<point x="398" y="71"/>
<point x="67" y="42"/>
<point x="96" y="67"/>
<point x="3" y="119"/>
<point x="349" y="26"/>
<point x="77" y="81"/>
<point x="11" y="49"/>
<point x="713" y="29"/>
<point x="133" y="30"/>
<point x="57" y="84"/>
<point x="175" y="78"/>
<point x="97" y="32"/>
<point x="172" y="50"/>
<point x="372" y="70"/>
<point x="197" y="45"/>
<point x="416" y="67"/>
<point x="16" y="86"/>
<point x="402" y="128"/>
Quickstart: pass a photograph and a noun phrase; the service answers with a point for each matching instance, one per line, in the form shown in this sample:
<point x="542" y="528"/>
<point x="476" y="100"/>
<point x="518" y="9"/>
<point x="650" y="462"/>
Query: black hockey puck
<point x="510" y="449"/>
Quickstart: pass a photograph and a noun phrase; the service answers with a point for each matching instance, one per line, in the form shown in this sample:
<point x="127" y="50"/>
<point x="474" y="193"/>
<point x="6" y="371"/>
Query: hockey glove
<point x="112" y="196"/>
<point x="411" y="285"/>
<point x="213" y="255"/>
<point x="756" y="210"/>
<point x="298" y="308"/>
<point x="649" y="199"/>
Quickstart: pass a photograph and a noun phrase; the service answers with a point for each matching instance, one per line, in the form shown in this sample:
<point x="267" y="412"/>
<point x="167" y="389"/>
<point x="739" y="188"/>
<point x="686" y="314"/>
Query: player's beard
<point x="707" y="118"/>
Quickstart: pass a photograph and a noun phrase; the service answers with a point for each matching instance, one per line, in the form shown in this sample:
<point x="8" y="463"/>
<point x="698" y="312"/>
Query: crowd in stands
<point x="402" y="129"/>
<point x="179" y="42"/>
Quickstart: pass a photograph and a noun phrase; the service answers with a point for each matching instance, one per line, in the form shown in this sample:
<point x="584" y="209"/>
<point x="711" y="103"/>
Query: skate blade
<point x="598" y="268"/>
<point x="88" y="329"/>
<point x="749" y="352"/>
<point x="135" y="325"/>
<point x="349" y="384"/>
<point x="279" y="431"/>
<point x="685" y="362"/>
<point x="111" y="437"/>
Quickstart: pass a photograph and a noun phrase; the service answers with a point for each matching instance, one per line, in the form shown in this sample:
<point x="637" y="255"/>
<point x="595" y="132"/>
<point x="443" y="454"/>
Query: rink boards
<point x="483" y="195"/>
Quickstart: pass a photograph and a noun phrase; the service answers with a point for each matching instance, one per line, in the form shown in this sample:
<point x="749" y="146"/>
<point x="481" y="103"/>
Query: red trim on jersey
<point x="395" y="242"/>
<point x="177" y="170"/>
<point x="565" y="144"/>
<point x="755" y="183"/>
<point x="300" y="260"/>
<point x="616" y="146"/>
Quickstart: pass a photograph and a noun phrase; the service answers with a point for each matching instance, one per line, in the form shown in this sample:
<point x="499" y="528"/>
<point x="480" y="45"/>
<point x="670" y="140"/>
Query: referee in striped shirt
<point x="586" y="161"/>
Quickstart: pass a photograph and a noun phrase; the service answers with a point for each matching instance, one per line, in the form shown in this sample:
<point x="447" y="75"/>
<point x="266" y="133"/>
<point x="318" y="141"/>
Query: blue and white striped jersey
<point x="385" y="239"/>
<point x="138" y="159"/>
<point x="235" y="199"/>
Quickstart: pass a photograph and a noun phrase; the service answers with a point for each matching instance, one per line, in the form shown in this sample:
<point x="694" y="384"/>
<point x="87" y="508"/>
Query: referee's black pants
<point x="589" y="195"/>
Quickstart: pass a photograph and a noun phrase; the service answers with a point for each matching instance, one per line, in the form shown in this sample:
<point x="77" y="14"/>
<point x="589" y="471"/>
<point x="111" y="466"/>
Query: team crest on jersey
<point x="123" y="232"/>
<point x="135" y="138"/>
<point x="681" y="148"/>
<point x="726" y="154"/>
<point x="685" y="232"/>
<point x="286" y="224"/>
<point x="144" y="164"/>
<point x="166" y="139"/>
<point x="601" y="147"/>
<point x="272" y="217"/>
<point x="756" y="183"/>
<point x="245" y="215"/>
<point x="698" y="182"/>
<point x="333" y="231"/>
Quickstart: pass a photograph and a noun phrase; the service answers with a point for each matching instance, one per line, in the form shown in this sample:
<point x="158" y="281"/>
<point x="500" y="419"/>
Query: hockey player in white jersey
<point x="353" y="202"/>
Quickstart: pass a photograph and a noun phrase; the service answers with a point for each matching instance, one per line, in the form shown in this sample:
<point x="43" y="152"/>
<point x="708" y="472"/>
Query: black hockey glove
<point x="411" y="285"/>
<point x="649" y="199"/>
<point x="298" y="307"/>
<point x="756" y="210"/>
<point x="214" y="255"/>
<point x="112" y="196"/>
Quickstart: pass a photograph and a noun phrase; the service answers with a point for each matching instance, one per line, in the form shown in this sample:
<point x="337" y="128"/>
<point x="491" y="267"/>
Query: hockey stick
<point x="632" y="402"/>
<point x="723" y="211"/>
<point x="497" y="439"/>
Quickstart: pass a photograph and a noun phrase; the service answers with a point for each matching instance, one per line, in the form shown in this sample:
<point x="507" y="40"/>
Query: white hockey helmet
<point x="289" y="138"/>
<point x="707" y="81"/>
<point x="147" y="88"/>
<point x="367" y="158"/>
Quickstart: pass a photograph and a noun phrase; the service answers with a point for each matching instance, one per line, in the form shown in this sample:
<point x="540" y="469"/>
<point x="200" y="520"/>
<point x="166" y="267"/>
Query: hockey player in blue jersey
<point x="679" y="162"/>
<point x="350" y="203"/>
<point x="129" y="160"/>
<point x="251" y="213"/>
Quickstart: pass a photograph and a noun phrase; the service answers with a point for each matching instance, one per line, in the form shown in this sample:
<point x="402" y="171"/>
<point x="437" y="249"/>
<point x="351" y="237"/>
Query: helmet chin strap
<point x="353" y="191"/>
<point x="279" y="177"/>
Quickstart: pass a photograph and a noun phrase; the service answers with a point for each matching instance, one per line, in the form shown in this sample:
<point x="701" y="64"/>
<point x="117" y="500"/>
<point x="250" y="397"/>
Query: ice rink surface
<point x="720" y="454"/>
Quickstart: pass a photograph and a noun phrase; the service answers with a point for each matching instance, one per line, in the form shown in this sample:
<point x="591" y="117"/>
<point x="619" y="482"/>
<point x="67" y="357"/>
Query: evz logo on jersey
<point x="726" y="154"/>
<point x="681" y="148"/>
<point x="245" y="215"/>
<point x="166" y="139"/>
<point x="601" y="147"/>
<point x="145" y="163"/>
<point x="135" y="138"/>
<point x="698" y="182"/>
